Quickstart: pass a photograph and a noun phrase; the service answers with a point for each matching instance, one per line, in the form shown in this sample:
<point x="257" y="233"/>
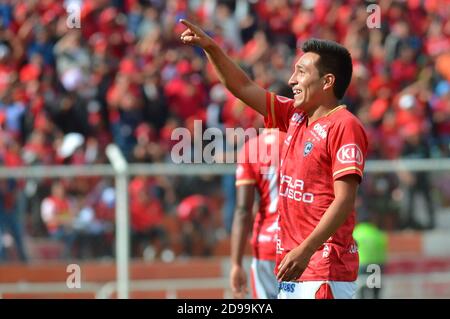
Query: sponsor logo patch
<point x="297" y="118"/>
<point x="286" y="286"/>
<point x="320" y="130"/>
<point x="350" y="153"/>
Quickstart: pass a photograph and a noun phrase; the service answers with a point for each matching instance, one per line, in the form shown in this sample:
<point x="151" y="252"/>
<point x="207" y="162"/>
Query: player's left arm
<point x="246" y="180"/>
<point x="296" y="261"/>
<point x="242" y="225"/>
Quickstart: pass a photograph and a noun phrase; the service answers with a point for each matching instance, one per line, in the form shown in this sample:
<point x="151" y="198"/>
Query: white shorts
<point x="263" y="280"/>
<point x="317" y="290"/>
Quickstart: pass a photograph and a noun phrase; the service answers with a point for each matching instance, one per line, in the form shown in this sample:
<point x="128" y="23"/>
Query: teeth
<point x="297" y="91"/>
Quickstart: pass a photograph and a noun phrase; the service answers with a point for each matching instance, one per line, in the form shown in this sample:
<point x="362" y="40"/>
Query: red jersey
<point x="314" y="156"/>
<point x="145" y="214"/>
<point x="263" y="173"/>
<point x="189" y="207"/>
<point x="54" y="209"/>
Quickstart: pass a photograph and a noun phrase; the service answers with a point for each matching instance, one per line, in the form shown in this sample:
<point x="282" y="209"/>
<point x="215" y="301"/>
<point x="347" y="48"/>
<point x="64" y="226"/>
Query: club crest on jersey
<point x="308" y="148"/>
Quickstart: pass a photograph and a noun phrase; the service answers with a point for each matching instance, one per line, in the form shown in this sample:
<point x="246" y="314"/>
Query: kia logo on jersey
<point x="350" y="153"/>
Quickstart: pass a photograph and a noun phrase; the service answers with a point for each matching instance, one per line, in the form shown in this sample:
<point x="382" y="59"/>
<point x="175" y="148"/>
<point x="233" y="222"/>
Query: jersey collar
<point x="336" y="109"/>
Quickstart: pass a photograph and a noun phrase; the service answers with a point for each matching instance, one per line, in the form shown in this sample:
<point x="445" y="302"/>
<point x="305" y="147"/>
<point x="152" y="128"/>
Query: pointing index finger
<point x="190" y="25"/>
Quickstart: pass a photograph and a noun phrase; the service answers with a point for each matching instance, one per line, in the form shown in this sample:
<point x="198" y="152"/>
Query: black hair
<point x="334" y="59"/>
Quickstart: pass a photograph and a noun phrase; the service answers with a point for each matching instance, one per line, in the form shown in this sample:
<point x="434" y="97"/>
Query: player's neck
<point x="321" y="111"/>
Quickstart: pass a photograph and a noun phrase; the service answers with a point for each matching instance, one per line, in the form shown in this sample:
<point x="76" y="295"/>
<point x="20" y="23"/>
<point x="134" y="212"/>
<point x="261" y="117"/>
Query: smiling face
<point x="306" y="83"/>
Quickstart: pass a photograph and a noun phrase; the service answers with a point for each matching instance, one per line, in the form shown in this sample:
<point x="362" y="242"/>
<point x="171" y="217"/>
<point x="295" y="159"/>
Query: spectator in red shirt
<point x="58" y="215"/>
<point x="185" y="94"/>
<point x="197" y="232"/>
<point x="404" y="69"/>
<point x="146" y="218"/>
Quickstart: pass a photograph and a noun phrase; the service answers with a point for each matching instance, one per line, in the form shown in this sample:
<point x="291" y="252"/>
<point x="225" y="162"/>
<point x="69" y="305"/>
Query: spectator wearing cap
<point x="70" y="149"/>
<point x="33" y="70"/>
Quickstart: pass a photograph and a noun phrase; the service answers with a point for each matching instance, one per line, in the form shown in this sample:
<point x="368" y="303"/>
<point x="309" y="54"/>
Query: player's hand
<point x="238" y="282"/>
<point x="293" y="264"/>
<point x="194" y="35"/>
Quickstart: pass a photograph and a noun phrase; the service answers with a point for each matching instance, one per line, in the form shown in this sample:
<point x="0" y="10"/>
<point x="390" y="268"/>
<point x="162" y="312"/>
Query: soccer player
<point x="259" y="173"/>
<point x="320" y="168"/>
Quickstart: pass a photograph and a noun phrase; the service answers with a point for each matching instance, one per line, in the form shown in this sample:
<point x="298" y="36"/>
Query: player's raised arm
<point x="230" y="74"/>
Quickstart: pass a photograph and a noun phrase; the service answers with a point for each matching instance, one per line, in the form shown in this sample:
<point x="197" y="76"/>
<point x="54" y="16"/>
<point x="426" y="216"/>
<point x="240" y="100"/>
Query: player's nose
<point x="292" y="81"/>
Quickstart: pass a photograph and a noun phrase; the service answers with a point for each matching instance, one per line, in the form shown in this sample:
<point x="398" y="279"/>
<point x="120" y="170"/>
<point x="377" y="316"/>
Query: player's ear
<point x="328" y="81"/>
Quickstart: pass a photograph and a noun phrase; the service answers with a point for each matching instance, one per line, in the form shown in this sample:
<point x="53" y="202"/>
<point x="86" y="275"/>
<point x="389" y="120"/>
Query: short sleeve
<point x="279" y="111"/>
<point x="348" y="148"/>
<point x="245" y="174"/>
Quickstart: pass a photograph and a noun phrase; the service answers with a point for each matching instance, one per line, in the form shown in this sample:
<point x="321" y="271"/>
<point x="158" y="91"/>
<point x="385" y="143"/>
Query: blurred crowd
<point x="124" y="77"/>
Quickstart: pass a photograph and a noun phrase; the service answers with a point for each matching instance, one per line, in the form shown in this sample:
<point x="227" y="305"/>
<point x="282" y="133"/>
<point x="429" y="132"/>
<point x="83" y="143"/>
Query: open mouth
<point x="297" y="91"/>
